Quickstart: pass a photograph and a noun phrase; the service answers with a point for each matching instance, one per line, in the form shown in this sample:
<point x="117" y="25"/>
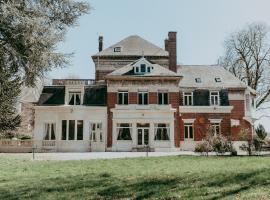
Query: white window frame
<point x="117" y="49"/>
<point x="98" y="132"/>
<point x="156" y="127"/>
<point x="75" y="127"/>
<point x="214" y="125"/>
<point x="188" y="95"/>
<point x="50" y="130"/>
<point x="143" y="92"/>
<point x="162" y="99"/>
<point x="216" y="101"/>
<point x="118" y="126"/>
<point x="123" y="97"/>
<point x="74" y="100"/>
<point x="188" y="125"/>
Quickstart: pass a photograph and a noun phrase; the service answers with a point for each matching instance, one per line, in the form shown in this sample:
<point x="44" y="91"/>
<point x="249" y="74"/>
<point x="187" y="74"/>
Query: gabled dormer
<point x="142" y="66"/>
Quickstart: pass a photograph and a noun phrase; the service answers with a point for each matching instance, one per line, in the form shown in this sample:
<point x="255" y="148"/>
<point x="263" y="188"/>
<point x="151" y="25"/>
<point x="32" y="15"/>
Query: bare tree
<point x="247" y="56"/>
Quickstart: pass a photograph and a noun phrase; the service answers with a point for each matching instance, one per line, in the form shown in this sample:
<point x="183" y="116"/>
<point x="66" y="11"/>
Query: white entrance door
<point x="142" y="135"/>
<point x="97" y="140"/>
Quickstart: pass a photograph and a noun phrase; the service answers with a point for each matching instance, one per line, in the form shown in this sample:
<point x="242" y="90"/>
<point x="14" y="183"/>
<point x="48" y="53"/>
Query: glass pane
<point x="140" y="98"/>
<point x="159" y="98"/>
<point x="78" y="99"/>
<point x="100" y="137"/>
<point x="52" y="132"/>
<point x="80" y="130"/>
<point x="190" y="132"/>
<point x="142" y="68"/>
<point x="71" y="102"/>
<point x="186" y="131"/>
<point x="165" y="98"/>
<point x="139" y="136"/>
<point x="47" y="131"/>
<point x="64" y="129"/>
<point x="126" y="98"/>
<point x="145" y="100"/>
<point x="71" y="135"/>
<point x="185" y="100"/>
<point x="120" y="98"/>
<point x="146" y="136"/>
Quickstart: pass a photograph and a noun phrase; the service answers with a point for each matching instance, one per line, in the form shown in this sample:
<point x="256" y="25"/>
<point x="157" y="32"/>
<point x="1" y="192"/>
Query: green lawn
<point x="178" y="177"/>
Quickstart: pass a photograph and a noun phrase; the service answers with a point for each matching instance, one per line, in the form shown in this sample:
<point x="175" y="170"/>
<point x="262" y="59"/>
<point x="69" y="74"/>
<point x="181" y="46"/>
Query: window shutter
<point x="224" y="98"/>
<point x="201" y="97"/>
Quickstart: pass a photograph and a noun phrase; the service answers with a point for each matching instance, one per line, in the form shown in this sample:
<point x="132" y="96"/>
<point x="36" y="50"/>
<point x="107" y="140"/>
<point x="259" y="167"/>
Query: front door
<point x="143" y="136"/>
<point x="97" y="142"/>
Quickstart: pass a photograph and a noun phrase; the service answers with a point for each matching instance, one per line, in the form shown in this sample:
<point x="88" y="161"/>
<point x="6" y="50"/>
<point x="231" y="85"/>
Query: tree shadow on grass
<point x="106" y="186"/>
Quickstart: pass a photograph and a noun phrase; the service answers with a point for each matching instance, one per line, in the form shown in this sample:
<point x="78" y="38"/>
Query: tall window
<point x="143" y="68"/>
<point x="143" y="98"/>
<point x="188" y="98"/>
<point x="163" y="98"/>
<point x="214" y="98"/>
<point x="124" y="131"/>
<point x="74" y="98"/>
<point x="123" y="97"/>
<point x="162" y="131"/>
<point x="216" y="128"/>
<point x="96" y="133"/>
<point x="49" y="131"/>
<point x="72" y="130"/>
<point x="188" y="129"/>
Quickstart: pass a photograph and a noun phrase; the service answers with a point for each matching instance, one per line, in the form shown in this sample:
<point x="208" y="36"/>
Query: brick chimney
<point x="100" y="43"/>
<point x="170" y="46"/>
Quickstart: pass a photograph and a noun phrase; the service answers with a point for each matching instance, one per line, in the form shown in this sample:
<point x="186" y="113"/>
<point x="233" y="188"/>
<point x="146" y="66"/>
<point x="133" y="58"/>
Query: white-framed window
<point x="117" y="49"/>
<point x="214" y="98"/>
<point x="72" y="130"/>
<point x="162" y="131"/>
<point x="143" y="68"/>
<point x="74" y="98"/>
<point x="123" y="97"/>
<point x="49" y="131"/>
<point x="188" y="131"/>
<point x="198" y="80"/>
<point x="188" y="98"/>
<point x="124" y="131"/>
<point x="96" y="133"/>
<point x="163" y="98"/>
<point x="143" y="98"/>
<point x="215" y="128"/>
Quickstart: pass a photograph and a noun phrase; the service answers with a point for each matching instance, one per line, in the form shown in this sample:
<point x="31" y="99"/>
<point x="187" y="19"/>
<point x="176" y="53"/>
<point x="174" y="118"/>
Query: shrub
<point x="220" y="144"/>
<point x="260" y="131"/>
<point x="24" y="137"/>
<point x="202" y="147"/>
<point x="258" y="143"/>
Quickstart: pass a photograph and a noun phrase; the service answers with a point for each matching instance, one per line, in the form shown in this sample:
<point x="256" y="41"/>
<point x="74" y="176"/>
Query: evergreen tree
<point x="30" y="31"/>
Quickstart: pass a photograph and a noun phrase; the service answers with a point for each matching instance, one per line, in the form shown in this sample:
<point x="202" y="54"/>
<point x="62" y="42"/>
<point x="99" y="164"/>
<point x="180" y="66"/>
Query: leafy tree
<point x="30" y="31"/>
<point x="247" y="56"/>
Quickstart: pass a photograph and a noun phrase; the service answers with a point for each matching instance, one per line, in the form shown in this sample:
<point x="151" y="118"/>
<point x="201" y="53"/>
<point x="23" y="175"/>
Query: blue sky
<point x="202" y="26"/>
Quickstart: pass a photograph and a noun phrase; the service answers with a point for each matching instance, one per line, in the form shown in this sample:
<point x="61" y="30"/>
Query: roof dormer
<point x="142" y="67"/>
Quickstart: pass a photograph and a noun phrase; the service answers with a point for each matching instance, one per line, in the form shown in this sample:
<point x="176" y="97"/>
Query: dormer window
<point x="198" y="80"/>
<point x="117" y="49"/>
<point x="217" y="79"/>
<point x="148" y="69"/>
<point x="74" y="98"/>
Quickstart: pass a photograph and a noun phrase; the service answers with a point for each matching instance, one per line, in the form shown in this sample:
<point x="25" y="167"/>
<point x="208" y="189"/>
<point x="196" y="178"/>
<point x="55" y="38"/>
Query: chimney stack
<point x="100" y="43"/>
<point x="170" y="46"/>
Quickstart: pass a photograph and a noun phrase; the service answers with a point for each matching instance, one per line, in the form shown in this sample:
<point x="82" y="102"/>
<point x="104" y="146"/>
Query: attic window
<point x="148" y="69"/>
<point x="117" y="49"/>
<point x="198" y="80"/>
<point x="217" y="79"/>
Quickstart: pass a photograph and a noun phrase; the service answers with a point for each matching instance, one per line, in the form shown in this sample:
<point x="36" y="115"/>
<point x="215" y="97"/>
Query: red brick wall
<point x="238" y="110"/>
<point x="153" y="98"/>
<point x="132" y="97"/>
<point x="202" y="123"/>
<point x="174" y="101"/>
<point x="111" y="101"/>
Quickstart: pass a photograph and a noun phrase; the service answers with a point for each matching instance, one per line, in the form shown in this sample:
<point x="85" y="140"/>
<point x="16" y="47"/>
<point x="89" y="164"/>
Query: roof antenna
<point x="142" y="54"/>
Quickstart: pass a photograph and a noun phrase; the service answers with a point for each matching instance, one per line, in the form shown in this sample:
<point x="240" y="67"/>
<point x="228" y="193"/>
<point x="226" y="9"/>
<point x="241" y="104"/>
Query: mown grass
<point x="177" y="177"/>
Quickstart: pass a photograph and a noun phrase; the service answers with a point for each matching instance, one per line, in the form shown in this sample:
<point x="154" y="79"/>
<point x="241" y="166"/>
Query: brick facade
<point x="111" y="101"/>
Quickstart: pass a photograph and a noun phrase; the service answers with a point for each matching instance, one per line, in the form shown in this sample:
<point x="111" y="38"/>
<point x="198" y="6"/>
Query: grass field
<point x="178" y="177"/>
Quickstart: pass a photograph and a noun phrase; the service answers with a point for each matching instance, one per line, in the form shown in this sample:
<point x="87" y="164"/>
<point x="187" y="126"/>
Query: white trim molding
<point x="205" y="109"/>
<point x="215" y="120"/>
<point x="189" y="120"/>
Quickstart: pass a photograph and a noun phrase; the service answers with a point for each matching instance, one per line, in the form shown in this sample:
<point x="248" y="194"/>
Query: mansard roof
<point x="133" y="45"/>
<point x="52" y="95"/>
<point x="211" y="76"/>
<point x="155" y="71"/>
